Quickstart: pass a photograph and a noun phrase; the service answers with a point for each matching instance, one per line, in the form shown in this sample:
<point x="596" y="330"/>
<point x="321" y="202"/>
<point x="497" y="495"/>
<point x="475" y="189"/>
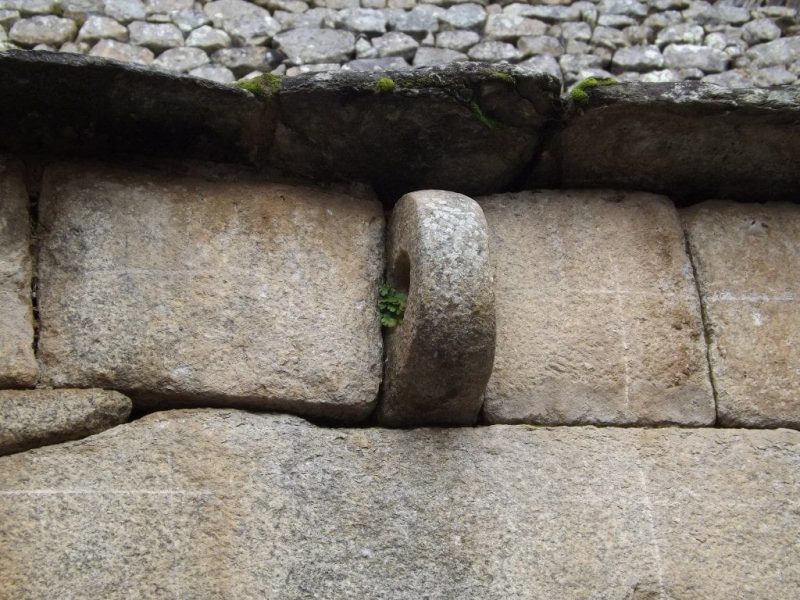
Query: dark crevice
<point x="33" y="216"/>
<point x="706" y="325"/>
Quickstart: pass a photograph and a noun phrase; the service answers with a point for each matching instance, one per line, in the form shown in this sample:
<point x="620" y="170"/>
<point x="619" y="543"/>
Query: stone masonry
<point x="223" y="40"/>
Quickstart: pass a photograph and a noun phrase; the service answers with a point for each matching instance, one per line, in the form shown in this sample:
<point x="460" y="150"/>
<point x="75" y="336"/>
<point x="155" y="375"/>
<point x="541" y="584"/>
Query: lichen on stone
<point x="385" y="85"/>
<point x="264" y="86"/>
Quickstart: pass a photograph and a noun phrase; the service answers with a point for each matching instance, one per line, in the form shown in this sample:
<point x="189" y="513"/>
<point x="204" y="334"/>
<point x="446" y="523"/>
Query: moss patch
<point x="504" y="77"/>
<point x="265" y="86"/>
<point x="483" y="117"/>
<point x="579" y="94"/>
<point x="385" y="85"/>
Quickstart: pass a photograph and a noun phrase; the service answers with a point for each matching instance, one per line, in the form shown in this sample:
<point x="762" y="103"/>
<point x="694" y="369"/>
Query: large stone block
<point x="31" y="418"/>
<point x="598" y="319"/>
<point x="17" y="361"/>
<point x="180" y="290"/>
<point x="221" y="503"/>
<point x="747" y="258"/>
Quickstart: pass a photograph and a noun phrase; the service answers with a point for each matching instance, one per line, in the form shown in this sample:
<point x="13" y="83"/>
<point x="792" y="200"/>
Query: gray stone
<point x="736" y="78"/>
<point x="321" y="68"/>
<point x="220" y="11"/>
<point x="79" y="48"/>
<point x="303" y="46"/>
<point x="7" y="18"/>
<point x="251" y="29"/>
<point x="30" y="7"/>
<point x="80" y="10"/>
<point x="213" y="73"/>
<point x="546" y="13"/>
<point x="681" y="33"/>
<point x="155" y="36"/>
<point x="316" y="18"/>
<point x="17" y="362"/>
<point x="663" y="76"/>
<point x="457" y="40"/>
<point x="543" y="64"/>
<point x="298" y="6"/>
<point x="181" y="60"/>
<point x="336" y="4"/>
<point x="504" y="27"/>
<point x="222" y="278"/>
<point x="395" y="43"/>
<point x="439" y="358"/>
<point x="493" y="51"/>
<point x="364" y="49"/>
<point x="465" y="16"/>
<point x="33" y="418"/>
<point x="208" y="38"/>
<point x="42" y="30"/>
<point x="580" y="32"/>
<point x="122" y="52"/>
<point x="363" y="20"/>
<point x="427" y="57"/>
<point x="632" y="8"/>
<point x="776" y="53"/>
<point x="125" y="11"/>
<point x="220" y="503"/>
<point x="406" y="138"/>
<point x="368" y="65"/>
<point x="772" y="76"/>
<point x="745" y="257"/>
<point x="638" y="58"/>
<point x="418" y="21"/>
<point x="661" y="20"/>
<point x="639" y="35"/>
<point x="608" y="37"/>
<point x="167" y="6"/>
<point x="574" y="63"/>
<point x="665" y="5"/>
<point x="686" y="56"/>
<point x="731" y="143"/>
<point x="97" y="28"/>
<point x="190" y="19"/>
<point x="616" y="21"/>
<point x="243" y="60"/>
<point x="543" y="44"/>
<point x="598" y="319"/>
<point x="760" y="30"/>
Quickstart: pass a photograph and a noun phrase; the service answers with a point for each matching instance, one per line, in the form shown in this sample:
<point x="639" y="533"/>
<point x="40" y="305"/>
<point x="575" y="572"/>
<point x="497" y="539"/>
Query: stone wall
<point x="223" y="40"/>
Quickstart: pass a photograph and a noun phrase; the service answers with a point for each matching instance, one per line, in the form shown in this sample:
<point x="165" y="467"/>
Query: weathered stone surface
<point x="17" y="362"/>
<point x="540" y="45"/>
<point x="638" y="58"/>
<point x="125" y="11"/>
<point x="69" y="104"/>
<point x="395" y="43"/>
<point x="251" y="294"/>
<point x="244" y="60"/>
<point x="122" y="52"/>
<point x="465" y="16"/>
<point x="760" y="30"/>
<point x="777" y="52"/>
<point x="439" y="358"/>
<point x="365" y="65"/>
<point x="213" y="73"/>
<point x="747" y="263"/>
<point x="363" y="20"/>
<point x="428" y="57"/>
<point x="251" y="30"/>
<point x="492" y="51"/>
<point x="97" y="28"/>
<point x="181" y="59"/>
<point x="505" y="27"/>
<point x="220" y="11"/>
<point x="543" y="64"/>
<point x="156" y="36"/>
<point x="219" y="503"/>
<point x="688" y="56"/>
<point x="598" y="319"/>
<point x="467" y="128"/>
<point x="208" y="38"/>
<point x="303" y="46"/>
<point x="32" y="418"/>
<point x="42" y="30"/>
<point x="689" y="140"/>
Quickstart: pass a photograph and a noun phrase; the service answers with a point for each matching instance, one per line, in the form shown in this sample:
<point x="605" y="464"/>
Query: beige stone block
<point x="598" y="319"/>
<point x="747" y="258"/>
<point x="228" y="504"/>
<point x="17" y="360"/>
<point x="181" y="291"/>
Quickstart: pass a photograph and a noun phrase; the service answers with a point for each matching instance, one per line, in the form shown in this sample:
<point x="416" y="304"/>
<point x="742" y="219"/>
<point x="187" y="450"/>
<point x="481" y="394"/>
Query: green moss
<point x="391" y="305"/>
<point x="504" y="77"/>
<point x="579" y="94"/>
<point x="421" y="81"/>
<point x="483" y="117"/>
<point x="385" y="85"/>
<point x="265" y="86"/>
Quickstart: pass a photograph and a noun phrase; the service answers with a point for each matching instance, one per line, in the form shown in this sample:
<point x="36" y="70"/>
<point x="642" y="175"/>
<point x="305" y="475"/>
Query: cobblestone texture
<point x="657" y="40"/>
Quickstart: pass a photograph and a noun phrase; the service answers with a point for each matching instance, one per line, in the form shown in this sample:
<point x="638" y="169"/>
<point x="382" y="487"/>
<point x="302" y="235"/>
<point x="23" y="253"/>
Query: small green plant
<point x="391" y="305"/>
<point x="264" y="86"/>
<point x="483" y="117"/>
<point x="579" y="94"/>
<point x="385" y="85"/>
<point x="504" y="77"/>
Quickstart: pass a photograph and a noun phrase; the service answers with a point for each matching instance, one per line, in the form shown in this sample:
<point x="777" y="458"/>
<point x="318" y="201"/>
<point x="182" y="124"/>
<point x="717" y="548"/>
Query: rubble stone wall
<point x="224" y="40"/>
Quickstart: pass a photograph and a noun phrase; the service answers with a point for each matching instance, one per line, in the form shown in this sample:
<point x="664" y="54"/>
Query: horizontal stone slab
<point x="598" y="317"/>
<point x="470" y="128"/>
<point x="32" y="418"/>
<point x="747" y="258"/>
<point x="180" y="290"/>
<point x="225" y="503"/>
<point x="71" y="104"/>
<point x="688" y="139"/>
<point x="17" y="362"/>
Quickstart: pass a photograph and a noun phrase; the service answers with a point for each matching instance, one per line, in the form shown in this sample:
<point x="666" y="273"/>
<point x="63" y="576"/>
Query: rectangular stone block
<point x="178" y="290"/>
<point x="598" y="319"/>
<point x="747" y="258"/>
<point x="17" y="360"/>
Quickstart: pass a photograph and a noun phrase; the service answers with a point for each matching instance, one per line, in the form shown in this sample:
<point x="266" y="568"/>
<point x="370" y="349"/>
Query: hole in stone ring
<point x="401" y="273"/>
